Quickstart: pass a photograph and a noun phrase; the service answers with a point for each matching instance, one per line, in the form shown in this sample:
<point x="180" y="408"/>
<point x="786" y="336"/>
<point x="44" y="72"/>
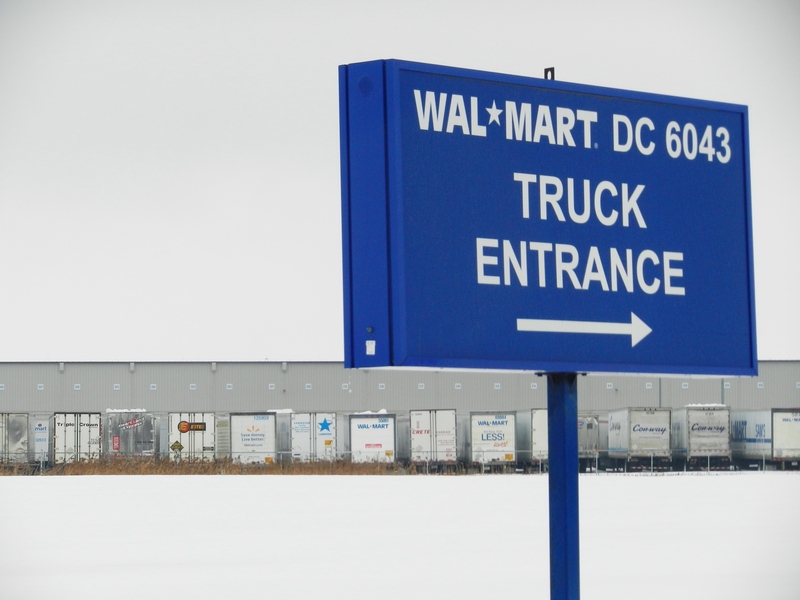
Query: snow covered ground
<point x="725" y="536"/>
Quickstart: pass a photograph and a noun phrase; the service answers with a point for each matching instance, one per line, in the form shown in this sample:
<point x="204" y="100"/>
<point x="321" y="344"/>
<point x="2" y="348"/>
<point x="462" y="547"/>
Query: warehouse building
<point x="261" y="411"/>
<point x="317" y="386"/>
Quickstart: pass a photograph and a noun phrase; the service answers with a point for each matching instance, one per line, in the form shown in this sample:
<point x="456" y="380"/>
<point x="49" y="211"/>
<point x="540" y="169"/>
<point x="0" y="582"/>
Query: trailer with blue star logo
<point x="314" y="436"/>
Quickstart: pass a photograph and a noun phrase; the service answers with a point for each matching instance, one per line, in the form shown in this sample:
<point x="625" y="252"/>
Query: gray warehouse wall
<point x="327" y="386"/>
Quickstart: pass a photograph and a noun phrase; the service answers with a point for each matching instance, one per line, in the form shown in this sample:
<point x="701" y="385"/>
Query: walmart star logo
<point x="494" y="113"/>
<point x="324" y="425"/>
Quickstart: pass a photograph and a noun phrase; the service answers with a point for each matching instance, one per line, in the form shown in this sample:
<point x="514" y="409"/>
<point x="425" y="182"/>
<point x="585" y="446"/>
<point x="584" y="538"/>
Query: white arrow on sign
<point x="637" y="328"/>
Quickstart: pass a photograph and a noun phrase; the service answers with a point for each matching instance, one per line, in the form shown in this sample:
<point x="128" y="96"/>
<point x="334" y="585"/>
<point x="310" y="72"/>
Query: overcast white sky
<point x="169" y="171"/>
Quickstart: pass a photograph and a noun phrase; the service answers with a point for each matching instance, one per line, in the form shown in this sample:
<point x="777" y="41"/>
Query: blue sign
<point x="495" y="221"/>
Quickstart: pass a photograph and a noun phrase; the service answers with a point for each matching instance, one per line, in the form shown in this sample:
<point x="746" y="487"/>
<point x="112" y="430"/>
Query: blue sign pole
<point x="495" y="221"/>
<point x="562" y="417"/>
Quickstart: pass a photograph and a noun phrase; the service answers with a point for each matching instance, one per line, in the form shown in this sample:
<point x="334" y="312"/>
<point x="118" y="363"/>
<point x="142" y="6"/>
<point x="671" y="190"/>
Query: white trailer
<point x="433" y="436"/>
<point x="603" y="462"/>
<point x="372" y="437"/>
<point x="253" y="438"/>
<point x="588" y="434"/>
<point x="313" y="436"/>
<point x="701" y="437"/>
<point x="493" y="437"/>
<point x="40" y="437"/>
<point x="129" y="432"/>
<point x="786" y="436"/>
<point x="759" y="437"/>
<point x="192" y="436"/>
<point x="588" y="442"/>
<point x="14" y="438"/>
<point x="639" y="438"/>
<point x="76" y="437"/>
<point x="539" y="439"/>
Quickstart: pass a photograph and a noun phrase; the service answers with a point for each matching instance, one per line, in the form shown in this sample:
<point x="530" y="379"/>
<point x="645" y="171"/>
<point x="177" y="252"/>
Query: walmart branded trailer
<point x="253" y="438"/>
<point x="40" y="429"/>
<point x="493" y="437"/>
<point x="373" y="437"/>
<point x="701" y="437"/>
<point x="314" y="436"/>
<point x="766" y="437"/>
<point x="639" y="438"/>
<point x="433" y="436"/>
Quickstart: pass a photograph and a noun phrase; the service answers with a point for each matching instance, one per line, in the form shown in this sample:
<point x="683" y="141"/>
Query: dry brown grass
<point x="16" y="469"/>
<point x="165" y="466"/>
